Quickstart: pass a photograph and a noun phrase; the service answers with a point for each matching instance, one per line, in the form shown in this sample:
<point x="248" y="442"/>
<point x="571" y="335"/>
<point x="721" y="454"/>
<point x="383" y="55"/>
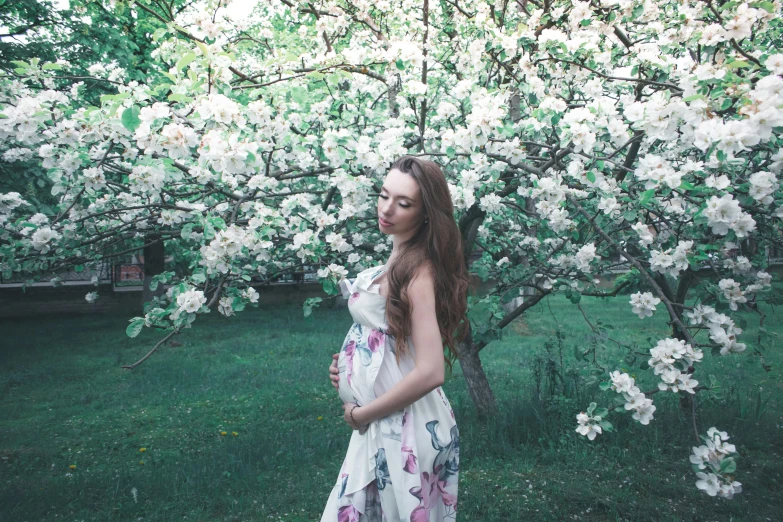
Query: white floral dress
<point x="405" y="467"/>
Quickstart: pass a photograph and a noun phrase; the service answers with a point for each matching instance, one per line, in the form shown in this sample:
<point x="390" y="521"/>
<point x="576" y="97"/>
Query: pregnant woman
<point x="403" y="458"/>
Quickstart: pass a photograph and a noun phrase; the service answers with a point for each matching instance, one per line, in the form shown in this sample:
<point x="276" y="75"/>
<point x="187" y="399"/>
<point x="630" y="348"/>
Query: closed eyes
<point x="387" y="197"/>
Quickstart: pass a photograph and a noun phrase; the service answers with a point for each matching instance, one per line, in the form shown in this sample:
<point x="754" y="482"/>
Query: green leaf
<point x="204" y="49"/>
<point x="728" y="465"/>
<point x="604" y="385"/>
<point x="647" y="195"/>
<point x="601" y="412"/>
<point x="186" y="60"/>
<point x="694" y="98"/>
<point x="186" y="231"/>
<point x="217" y="222"/>
<point x="134" y="328"/>
<point x="736" y="64"/>
<point x="606" y="425"/>
<point x="130" y="118"/>
<point x="400" y="64"/>
<point x="329" y="287"/>
<point x="591" y="176"/>
<point x="51" y="67"/>
<point x="209" y="230"/>
<point x="767" y="6"/>
<point x="176" y="97"/>
<point x="299" y="95"/>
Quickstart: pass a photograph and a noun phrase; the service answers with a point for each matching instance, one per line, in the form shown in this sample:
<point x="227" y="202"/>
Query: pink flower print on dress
<point x="353" y="298"/>
<point x="429" y="494"/>
<point x="350" y="349"/>
<point x="348" y="514"/>
<point x="408" y="444"/>
<point x="375" y="339"/>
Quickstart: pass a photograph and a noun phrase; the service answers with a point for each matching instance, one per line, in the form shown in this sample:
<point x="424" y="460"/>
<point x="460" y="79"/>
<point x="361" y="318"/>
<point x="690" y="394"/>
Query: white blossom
<point x="643" y="304"/>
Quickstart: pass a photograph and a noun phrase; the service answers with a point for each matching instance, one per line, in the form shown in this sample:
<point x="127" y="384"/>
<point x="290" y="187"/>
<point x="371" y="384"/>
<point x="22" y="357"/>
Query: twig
<point x="620" y="250"/>
<point x="155" y="349"/>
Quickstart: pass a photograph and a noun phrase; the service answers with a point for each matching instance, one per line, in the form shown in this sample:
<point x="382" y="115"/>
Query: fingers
<point x="334" y="372"/>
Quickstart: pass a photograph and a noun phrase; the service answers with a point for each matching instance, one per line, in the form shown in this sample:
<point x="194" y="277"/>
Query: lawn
<point x="147" y="444"/>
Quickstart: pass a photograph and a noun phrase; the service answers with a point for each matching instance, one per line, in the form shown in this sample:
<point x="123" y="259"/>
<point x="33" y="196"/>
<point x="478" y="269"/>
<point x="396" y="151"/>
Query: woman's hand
<point x="352" y="407"/>
<point x="334" y="373"/>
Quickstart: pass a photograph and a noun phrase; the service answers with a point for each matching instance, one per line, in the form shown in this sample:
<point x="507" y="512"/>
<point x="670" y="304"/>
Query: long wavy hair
<point x="438" y="242"/>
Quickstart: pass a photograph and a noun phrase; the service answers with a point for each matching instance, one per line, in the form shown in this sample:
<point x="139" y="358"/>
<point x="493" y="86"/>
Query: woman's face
<point x="400" y="209"/>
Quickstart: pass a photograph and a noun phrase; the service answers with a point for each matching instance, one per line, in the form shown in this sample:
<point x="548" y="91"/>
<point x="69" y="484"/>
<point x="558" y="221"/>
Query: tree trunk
<point x="154" y="255"/>
<point x="476" y="379"/>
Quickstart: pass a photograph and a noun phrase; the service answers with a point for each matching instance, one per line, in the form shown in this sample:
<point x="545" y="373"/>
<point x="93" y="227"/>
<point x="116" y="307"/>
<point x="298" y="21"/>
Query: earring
<point x="426" y="221"/>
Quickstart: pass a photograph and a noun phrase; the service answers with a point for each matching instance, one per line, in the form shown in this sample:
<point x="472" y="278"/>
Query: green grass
<point x="65" y="400"/>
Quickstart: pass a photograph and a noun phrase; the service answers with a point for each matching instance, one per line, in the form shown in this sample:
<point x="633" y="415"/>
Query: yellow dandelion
<point x="72" y="466"/>
<point x="223" y="433"/>
<point x="142" y="450"/>
<point x="234" y="433"/>
<point x="141" y="463"/>
<point x="320" y="418"/>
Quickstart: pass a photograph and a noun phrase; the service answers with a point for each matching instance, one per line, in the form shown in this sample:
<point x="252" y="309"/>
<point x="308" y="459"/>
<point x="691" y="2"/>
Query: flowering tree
<point x="576" y="137"/>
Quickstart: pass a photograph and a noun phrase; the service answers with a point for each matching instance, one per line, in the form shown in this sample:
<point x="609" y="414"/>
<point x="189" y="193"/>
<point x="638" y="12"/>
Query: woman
<point x="403" y="457"/>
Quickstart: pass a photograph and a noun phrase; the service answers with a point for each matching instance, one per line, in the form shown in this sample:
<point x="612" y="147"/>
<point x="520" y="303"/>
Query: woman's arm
<point x="425" y="335"/>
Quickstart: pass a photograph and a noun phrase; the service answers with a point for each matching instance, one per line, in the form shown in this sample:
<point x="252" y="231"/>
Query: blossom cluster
<point x="643" y="304"/>
<point x="721" y="327"/>
<point x="713" y="463"/>
<point x="671" y="359"/>
<point x="635" y="400"/>
<point x="591" y="423"/>
<point x="257" y="161"/>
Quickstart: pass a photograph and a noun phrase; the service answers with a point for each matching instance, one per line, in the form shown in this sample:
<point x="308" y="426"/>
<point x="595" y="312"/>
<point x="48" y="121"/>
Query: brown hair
<point x="439" y="244"/>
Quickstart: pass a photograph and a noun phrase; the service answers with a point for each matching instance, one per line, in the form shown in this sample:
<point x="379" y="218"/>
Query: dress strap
<point x="375" y="274"/>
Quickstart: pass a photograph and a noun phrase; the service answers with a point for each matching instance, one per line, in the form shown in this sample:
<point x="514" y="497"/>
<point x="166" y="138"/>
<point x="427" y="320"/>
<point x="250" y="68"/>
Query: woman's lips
<point x="384" y="223"/>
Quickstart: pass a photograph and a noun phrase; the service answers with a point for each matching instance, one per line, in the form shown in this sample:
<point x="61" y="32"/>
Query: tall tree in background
<point x="576" y="137"/>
